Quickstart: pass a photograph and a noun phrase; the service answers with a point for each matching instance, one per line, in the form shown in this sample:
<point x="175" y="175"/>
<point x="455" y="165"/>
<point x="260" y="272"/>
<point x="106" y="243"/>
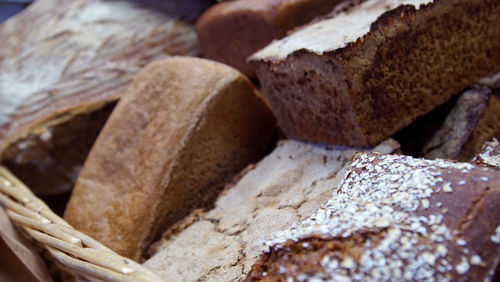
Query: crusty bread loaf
<point x="455" y="130"/>
<point x="63" y="64"/>
<point x="184" y="127"/>
<point x="223" y="243"/>
<point x="489" y="155"/>
<point x="367" y="72"/>
<point x="474" y="120"/>
<point x="395" y="218"/>
<point x="231" y="31"/>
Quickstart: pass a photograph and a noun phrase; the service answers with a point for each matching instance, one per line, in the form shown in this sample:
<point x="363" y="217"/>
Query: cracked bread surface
<point x="286" y="186"/>
<point x="406" y="61"/>
<point x="395" y="218"/>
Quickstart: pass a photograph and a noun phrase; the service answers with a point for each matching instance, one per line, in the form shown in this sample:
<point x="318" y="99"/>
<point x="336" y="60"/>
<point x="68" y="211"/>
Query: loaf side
<point x="392" y="63"/>
<point x="231" y="31"/>
<point x="63" y="65"/>
<point x="185" y="127"/>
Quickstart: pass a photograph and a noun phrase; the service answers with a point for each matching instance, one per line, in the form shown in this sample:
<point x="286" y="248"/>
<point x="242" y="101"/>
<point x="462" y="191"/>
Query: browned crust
<point x="57" y="77"/>
<point x="154" y="163"/>
<point x="388" y="77"/>
<point x="231" y="31"/>
<point x="384" y="115"/>
<point x="83" y="85"/>
<point x="471" y="214"/>
<point x="291" y="254"/>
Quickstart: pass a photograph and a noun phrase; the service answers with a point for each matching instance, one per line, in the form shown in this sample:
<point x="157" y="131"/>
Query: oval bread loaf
<point x="185" y="127"/>
<point x="231" y="31"/>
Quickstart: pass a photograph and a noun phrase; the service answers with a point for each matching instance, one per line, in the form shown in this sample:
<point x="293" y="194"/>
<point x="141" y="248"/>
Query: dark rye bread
<point x="231" y="31"/>
<point x="489" y="154"/>
<point x="365" y="73"/>
<point x="184" y="128"/>
<point x="223" y="243"/>
<point x="395" y="218"/>
<point x="455" y="130"/>
<point x="64" y="64"/>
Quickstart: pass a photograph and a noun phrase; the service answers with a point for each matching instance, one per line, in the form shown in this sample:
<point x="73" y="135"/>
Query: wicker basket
<point x="76" y="253"/>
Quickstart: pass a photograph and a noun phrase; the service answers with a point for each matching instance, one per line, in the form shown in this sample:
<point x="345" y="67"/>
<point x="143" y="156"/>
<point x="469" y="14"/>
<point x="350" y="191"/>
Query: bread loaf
<point x="184" y="127"/>
<point x="63" y="64"/>
<point x="231" y="31"/>
<point x="455" y="130"/>
<point x="365" y="73"/>
<point x="474" y="120"/>
<point x="286" y="186"/>
<point x="395" y="218"/>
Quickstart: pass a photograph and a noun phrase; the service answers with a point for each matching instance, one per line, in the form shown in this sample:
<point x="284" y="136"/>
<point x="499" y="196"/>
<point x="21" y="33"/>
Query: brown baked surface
<point x="183" y="128"/>
<point x="63" y="64"/>
<point x="223" y="243"/>
<point x="231" y="31"/>
<point x="395" y="218"/>
<point x="410" y="61"/>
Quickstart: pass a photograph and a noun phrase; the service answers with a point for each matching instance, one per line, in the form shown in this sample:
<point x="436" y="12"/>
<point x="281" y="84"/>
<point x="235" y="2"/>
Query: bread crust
<point x="360" y="92"/>
<point x="184" y="127"/>
<point x="231" y="31"/>
<point x="63" y="65"/>
<point x="447" y="229"/>
<point x="223" y="243"/>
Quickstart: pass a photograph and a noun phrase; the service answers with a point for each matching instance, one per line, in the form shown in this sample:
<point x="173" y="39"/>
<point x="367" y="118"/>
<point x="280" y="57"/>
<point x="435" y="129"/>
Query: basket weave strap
<point x="75" y="251"/>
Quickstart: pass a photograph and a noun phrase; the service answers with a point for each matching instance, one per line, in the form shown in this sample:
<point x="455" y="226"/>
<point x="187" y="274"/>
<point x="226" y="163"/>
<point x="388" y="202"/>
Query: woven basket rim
<point x="78" y="254"/>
